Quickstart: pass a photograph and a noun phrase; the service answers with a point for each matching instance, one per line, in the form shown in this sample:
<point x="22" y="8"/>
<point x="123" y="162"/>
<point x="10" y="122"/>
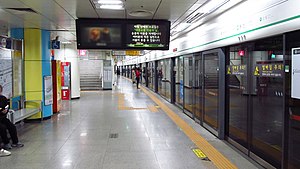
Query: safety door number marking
<point x="200" y="154"/>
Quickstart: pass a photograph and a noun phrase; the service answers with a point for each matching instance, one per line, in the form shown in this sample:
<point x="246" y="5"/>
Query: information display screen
<point x="99" y="35"/>
<point x="122" y="34"/>
<point x="148" y="35"/>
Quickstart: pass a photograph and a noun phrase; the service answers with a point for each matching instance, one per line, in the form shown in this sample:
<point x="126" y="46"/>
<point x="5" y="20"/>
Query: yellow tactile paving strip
<point x="121" y="103"/>
<point x="214" y="155"/>
<point x="153" y="109"/>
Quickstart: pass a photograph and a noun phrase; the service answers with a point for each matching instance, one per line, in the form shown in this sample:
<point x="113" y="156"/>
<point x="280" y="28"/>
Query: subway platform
<point x="125" y="128"/>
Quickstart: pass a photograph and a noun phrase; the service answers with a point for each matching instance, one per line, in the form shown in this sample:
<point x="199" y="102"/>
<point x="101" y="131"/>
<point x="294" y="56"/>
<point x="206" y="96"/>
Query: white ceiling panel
<point x="173" y="9"/>
<point x="78" y="8"/>
<point x="48" y="8"/>
<point x="105" y="13"/>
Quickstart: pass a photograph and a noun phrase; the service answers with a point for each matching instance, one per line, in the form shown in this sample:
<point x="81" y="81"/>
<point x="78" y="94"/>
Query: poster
<point x="6" y="72"/>
<point x="296" y="73"/>
<point x="17" y="73"/>
<point x="48" y="90"/>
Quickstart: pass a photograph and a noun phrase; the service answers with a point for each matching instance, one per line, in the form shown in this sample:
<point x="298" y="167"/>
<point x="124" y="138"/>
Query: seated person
<point x="3" y="152"/>
<point x="6" y="123"/>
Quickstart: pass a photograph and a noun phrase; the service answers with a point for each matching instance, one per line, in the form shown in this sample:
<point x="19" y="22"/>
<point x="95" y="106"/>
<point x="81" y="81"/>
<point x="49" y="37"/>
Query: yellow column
<point x="33" y="67"/>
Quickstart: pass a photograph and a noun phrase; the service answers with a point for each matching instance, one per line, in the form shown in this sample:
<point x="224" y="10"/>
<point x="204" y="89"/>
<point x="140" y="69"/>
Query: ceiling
<point x="59" y="16"/>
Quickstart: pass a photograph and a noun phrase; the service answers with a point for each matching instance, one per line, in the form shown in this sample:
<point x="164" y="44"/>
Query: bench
<point x="18" y="115"/>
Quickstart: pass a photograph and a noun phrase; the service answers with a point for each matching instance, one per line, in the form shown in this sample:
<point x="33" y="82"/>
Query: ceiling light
<point x="114" y="7"/>
<point x="111" y="2"/>
<point x="83" y="134"/>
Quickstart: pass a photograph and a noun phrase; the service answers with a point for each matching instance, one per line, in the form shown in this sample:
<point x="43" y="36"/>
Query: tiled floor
<point x="78" y="137"/>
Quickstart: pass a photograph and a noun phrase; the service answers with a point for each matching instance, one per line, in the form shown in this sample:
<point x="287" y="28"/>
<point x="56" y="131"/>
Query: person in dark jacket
<point x="7" y="124"/>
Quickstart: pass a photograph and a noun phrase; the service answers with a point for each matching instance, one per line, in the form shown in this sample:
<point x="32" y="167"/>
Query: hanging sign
<point x="295" y="73"/>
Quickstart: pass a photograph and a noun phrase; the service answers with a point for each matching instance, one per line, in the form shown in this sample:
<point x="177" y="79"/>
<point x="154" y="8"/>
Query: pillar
<point x="37" y="64"/>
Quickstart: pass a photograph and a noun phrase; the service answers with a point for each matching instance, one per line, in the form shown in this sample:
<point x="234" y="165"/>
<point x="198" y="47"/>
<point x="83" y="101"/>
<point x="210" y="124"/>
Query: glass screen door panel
<point x="151" y="75"/>
<point x="188" y="84"/>
<point x="167" y="78"/>
<point x="267" y="108"/>
<point x="238" y="95"/>
<point x="198" y="87"/>
<point x="179" y="81"/>
<point x="143" y="77"/>
<point x="211" y="89"/>
<point x="160" y="75"/>
<point x="255" y="85"/>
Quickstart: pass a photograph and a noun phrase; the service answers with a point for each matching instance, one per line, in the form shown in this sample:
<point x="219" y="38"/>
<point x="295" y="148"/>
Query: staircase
<point x="211" y="81"/>
<point x="90" y="82"/>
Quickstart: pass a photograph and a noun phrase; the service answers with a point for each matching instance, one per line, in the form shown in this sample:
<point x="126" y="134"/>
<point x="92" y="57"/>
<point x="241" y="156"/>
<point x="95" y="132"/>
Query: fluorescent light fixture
<point x="67" y="163"/>
<point x="114" y="7"/>
<point x="110" y="2"/>
<point x="83" y="134"/>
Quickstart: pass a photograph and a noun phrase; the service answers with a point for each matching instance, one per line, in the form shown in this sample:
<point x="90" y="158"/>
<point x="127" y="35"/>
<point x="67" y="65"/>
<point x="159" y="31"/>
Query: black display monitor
<point x="122" y="34"/>
<point x="149" y="35"/>
<point x="99" y="34"/>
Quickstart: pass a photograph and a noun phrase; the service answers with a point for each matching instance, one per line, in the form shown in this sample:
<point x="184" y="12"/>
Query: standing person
<point x="7" y="124"/>
<point x="138" y="76"/>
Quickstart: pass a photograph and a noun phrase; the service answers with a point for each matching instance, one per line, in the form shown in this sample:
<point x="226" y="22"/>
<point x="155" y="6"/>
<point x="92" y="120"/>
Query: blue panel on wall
<point x="15" y="105"/>
<point x="46" y="67"/>
<point x="17" y="33"/>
